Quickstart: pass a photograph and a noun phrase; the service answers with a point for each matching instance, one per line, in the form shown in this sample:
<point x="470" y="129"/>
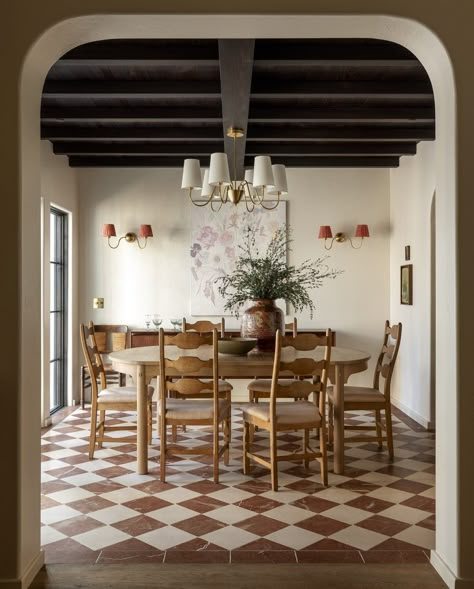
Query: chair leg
<point x="331" y="425"/>
<point x="246" y="447"/>
<point x="323" y="461"/>
<point x="273" y="459"/>
<point x="162" y="450"/>
<point x="378" y="428"/>
<point x="93" y="432"/>
<point x="306" y="445"/>
<point x="215" y="453"/>
<point x="174" y="433"/>
<point x="82" y="392"/>
<point x="388" y="422"/>
<point x="150" y="423"/>
<point x="226" y="425"/>
<point x="101" y="427"/>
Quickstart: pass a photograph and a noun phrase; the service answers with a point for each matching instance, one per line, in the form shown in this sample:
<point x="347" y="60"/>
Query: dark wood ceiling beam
<point x="332" y="49"/>
<point x="278" y="62"/>
<point x="284" y="88"/>
<point x="110" y="161"/>
<point x="357" y="114"/>
<point x="291" y="150"/>
<point x="235" y="66"/>
<point x="135" y="148"/>
<point x="132" y="89"/>
<point x="344" y="133"/>
<point x="145" y="61"/>
<point x="171" y="114"/>
<point x="334" y="162"/>
<point x="174" y="162"/>
<point x="132" y="133"/>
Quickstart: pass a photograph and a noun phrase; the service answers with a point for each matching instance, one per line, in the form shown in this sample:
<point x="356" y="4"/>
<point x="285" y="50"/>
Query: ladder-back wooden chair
<point x="276" y="417"/>
<point x="261" y="390"/>
<point x="109" y="338"/>
<point x="107" y="398"/>
<point x="199" y="410"/>
<point x="375" y="399"/>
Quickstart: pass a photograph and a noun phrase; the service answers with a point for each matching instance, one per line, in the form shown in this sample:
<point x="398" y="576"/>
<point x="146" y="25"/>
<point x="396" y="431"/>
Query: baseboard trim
<point x="27" y="578"/>
<point x="430" y="425"/>
<point x="447" y="574"/>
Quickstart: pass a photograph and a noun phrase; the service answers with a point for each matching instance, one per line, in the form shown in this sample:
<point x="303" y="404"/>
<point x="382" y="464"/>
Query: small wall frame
<point x="406" y="284"/>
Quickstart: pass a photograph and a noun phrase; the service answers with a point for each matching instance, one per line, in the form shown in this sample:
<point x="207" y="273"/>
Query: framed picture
<point x="406" y="284"/>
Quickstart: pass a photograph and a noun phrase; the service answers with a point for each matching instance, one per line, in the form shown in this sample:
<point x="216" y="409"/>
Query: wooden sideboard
<point x="149" y="337"/>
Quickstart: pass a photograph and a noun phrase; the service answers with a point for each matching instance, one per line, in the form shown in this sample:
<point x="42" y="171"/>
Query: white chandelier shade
<point x="281" y="183"/>
<point x="262" y="172"/>
<point x="219" y="170"/>
<point x="191" y="174"/>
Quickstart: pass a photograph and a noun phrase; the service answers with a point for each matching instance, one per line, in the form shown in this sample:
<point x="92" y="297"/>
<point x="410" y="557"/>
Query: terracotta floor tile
<point x="394" y="556"/>
<point x="314" y="504"/>
<point x="335" y="556"/>
<point x="76" y="525"/>
<point x="197" y="557"/>
<point x="146" y="504"/>
<point x="110" y="556"/>
<point x="204" y="487"/>
<point x="329" y="544"/>
<point x="383" y="525"/>
<point x="429" y="522"/>
<point x="258" y="504"/>
<point x="260" y="525"/>
<point x="262" y="556"/>
<point x="69" y="551"/>
<point x="262" y="545"/>
<point x="197" y="544"/>
<point x="91" y="504"/>
<point x="202" y="504"/>
<point x="199" y="525"/>
<point x="136" y="526"/>
<point x="408" y="486"/>
<point x="322" y="525"/>
<point x="369" y="503"/>
<point x="419" y="502"/>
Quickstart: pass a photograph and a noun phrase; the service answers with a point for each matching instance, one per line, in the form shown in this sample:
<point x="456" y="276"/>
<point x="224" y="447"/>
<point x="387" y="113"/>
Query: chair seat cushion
<point x="121" y="395"/>
<point x="193" y="410"/>
<point x="358" y="395"/>
<point x="264" y="385"/>
<point x="299" y="412"/>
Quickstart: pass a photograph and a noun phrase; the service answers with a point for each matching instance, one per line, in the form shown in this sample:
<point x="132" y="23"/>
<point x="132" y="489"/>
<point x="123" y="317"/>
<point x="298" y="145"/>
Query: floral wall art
<point x="215" y="239"/>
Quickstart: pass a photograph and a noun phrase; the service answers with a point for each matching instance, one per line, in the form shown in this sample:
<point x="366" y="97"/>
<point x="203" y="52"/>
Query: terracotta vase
<point x="261" y="320"/>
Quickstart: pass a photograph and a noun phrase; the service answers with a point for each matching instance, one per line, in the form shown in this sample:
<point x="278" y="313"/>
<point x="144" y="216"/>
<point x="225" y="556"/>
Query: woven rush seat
<point x="121" y="394"/>
<point x="295" y="413"/>
<point x="358" y="395"/>
<point x="190" y="410"/>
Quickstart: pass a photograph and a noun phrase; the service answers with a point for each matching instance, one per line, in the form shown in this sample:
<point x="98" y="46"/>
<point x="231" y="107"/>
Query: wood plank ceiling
<point x="306" y="103"/>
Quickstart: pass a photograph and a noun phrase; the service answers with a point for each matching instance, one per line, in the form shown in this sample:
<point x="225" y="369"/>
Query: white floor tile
<point x="359" y="537"/>
<point x="177" y="495"/>
<point x="171" y="514"/>
<point x="230" y="537"/>
<point x="231" y="514"/>
<point x="164" y="538"/>
<point x="49" y="535"/>
<point x="101" y="537"/>
<point x="347" y="514"/>
<point x="294" y="537"/>
<point x="57" y="514"/>
<point x="289" y="514"/>
<point x="112" y="515"/>
<point x="403" y="513"/>
<point x="419" y="536"/>
<point x="70" y="495"/>
<point x="123" y="495"/>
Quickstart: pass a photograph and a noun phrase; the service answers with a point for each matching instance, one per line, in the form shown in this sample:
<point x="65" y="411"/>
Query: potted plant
<point x="261" y="278"/>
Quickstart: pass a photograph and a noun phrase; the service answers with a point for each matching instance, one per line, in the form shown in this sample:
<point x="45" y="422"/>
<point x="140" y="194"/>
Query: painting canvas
<point x="406" y="285"/>
<point x="214" y="246"/>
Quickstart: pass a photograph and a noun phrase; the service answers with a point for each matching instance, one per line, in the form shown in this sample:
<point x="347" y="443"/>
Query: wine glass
<point x="176" y="323"/>
<point x="157" y="320"/>
<point x="147" y="321"/>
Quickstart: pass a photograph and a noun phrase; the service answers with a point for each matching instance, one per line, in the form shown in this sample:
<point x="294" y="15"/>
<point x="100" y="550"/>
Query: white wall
<point x="59" y="188"/>
<point x="412" y="187"/>
<point x="156" y="280"/>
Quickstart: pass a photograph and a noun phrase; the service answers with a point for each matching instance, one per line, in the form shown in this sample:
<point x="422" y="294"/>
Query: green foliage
<point x="268" y="276"/>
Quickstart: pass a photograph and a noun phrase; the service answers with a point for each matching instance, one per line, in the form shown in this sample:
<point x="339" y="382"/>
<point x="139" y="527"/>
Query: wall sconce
<point x="145" y="231"/>
<point x="325" y="233"/>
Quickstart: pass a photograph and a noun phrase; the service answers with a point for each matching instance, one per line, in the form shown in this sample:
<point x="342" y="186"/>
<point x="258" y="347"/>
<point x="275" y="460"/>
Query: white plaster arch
<point x="412" y="35"/>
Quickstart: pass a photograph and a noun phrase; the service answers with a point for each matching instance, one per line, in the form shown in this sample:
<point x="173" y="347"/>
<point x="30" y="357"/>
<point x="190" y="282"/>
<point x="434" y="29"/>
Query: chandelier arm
<point x="214" y="207"/>
<point x="198" y="204"/>
<point x="274" y="206"/>
<point x="249" y="208"/>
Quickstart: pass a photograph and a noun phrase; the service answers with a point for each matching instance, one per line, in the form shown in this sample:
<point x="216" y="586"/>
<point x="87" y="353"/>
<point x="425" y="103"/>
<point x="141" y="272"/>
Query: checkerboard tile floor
<point x="101" y="511"/>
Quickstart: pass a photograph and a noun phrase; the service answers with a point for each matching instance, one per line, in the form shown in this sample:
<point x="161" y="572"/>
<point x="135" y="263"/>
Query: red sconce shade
<point x="362" y="231"/>
<point x="145" y="231"/>
<point x="108" y="230"/>
<point x="325" y="232"/>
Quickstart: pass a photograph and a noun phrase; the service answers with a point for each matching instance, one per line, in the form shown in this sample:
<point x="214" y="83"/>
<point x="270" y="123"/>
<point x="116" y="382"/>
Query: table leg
<point x="339" y="420"/>
<point x="142" y="438"/>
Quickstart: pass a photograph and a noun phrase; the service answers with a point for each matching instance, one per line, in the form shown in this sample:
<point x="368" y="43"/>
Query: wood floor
<point x="246" y="576"/>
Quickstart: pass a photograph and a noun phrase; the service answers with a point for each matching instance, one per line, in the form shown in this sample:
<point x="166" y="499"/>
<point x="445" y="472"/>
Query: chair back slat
<point x="204" y="327"/>
<point x="188" y="365"/>
<point x="299" y="367"/>
<point x="292" y="327"/>
<point x="101" y="341"/>
<point x="119" y="341"/>
<point x="110" y="338"/>
<point x="387" y="357"/>
<point x="93" y="359"/>
<point x="188" y="340"/>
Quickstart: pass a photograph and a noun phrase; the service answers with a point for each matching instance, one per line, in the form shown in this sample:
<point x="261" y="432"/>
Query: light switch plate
<point x="98" y="303"/>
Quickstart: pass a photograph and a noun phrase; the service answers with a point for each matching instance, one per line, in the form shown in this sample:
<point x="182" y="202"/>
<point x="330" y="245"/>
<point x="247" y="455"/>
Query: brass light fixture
<point x="217" y="188"/>
<point x="144" y="232"/>
<point x="325" y="232"/>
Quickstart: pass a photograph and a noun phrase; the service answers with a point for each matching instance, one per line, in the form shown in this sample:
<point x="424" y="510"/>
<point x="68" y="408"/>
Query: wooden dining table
<point x="142" y="364"/>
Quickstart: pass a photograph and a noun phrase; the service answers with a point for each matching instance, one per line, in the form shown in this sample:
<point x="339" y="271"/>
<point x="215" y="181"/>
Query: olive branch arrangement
<point x="269" y="276"/>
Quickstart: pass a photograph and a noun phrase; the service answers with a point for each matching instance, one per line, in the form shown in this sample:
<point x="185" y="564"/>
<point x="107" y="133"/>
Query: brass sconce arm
<point x="325" y="233"/>
<point x="130" y="237"/>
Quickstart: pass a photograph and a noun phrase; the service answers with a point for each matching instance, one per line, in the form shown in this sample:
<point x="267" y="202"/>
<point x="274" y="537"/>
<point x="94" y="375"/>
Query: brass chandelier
<point x="217" y="188"/>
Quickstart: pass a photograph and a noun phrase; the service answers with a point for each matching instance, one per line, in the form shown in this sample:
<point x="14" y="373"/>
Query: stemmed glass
<point x="176" y="323"/>
<point x="157" y="320"/>
<point x="148" y="321"/>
